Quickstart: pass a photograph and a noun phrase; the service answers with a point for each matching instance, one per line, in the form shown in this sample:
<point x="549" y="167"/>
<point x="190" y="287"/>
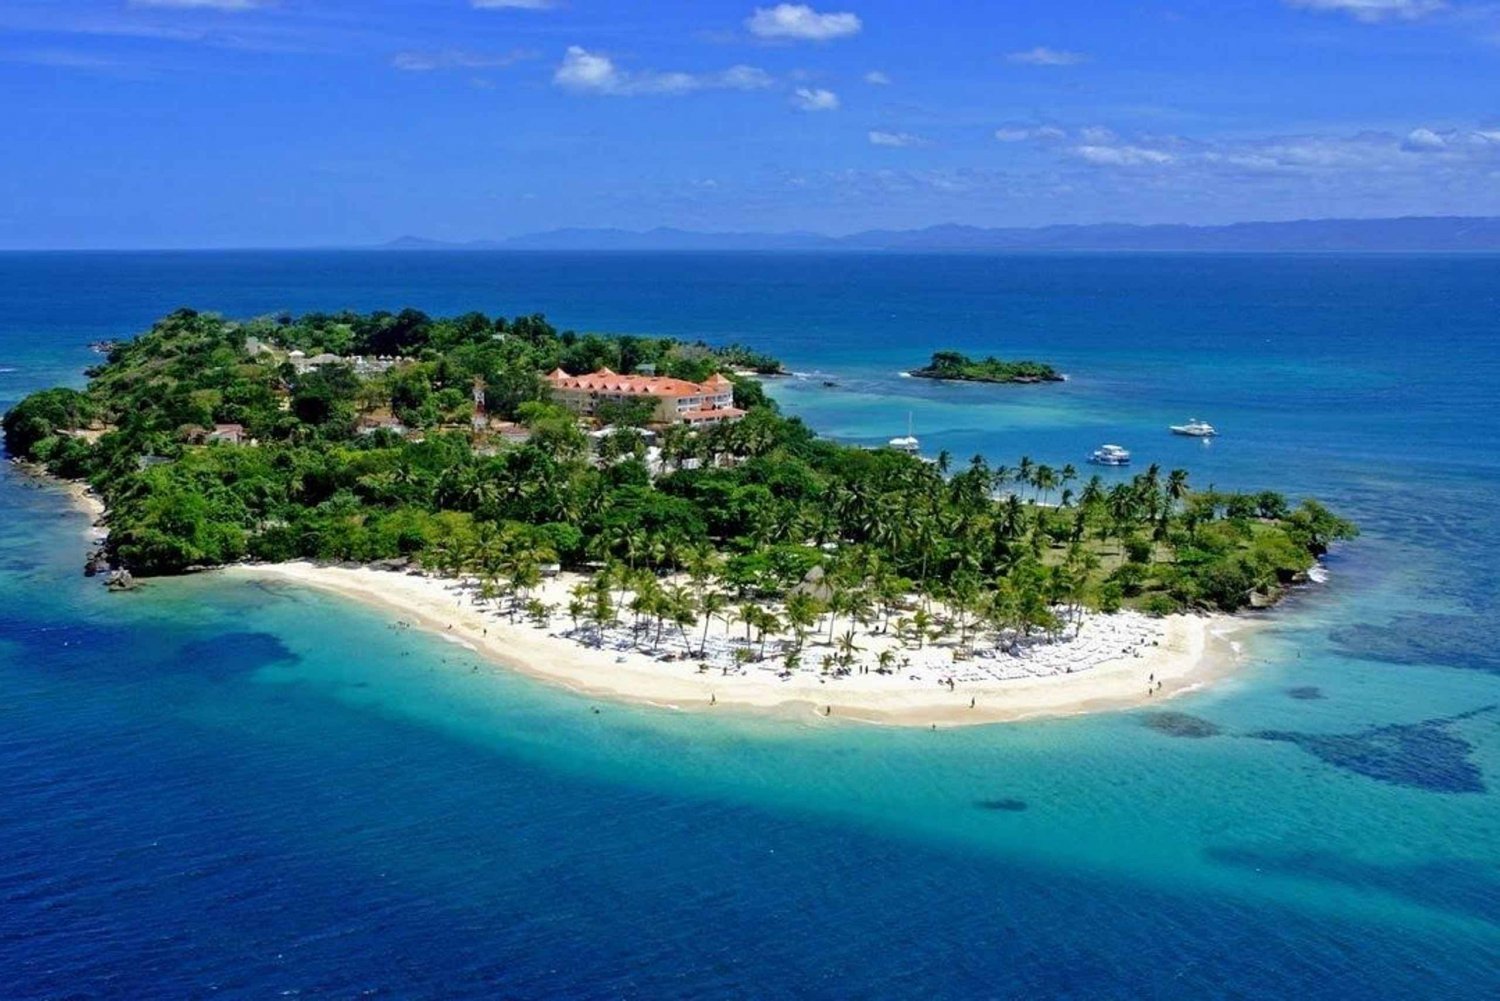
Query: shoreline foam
<point x="1192" y="652"/>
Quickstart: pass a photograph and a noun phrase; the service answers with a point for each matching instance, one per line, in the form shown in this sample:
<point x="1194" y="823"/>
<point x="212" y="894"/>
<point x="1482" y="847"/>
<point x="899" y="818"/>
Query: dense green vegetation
<point x="747" y="508"/>
<point x="953" y="365"/>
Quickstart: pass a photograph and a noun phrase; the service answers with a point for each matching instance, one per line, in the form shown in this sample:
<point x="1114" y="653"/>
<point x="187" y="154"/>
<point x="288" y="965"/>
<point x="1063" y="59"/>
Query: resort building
<point x="233" y="434"/>
<point x="370" y="423"/>
<point x="364" y="366"/>
<point x="677" y="400"/>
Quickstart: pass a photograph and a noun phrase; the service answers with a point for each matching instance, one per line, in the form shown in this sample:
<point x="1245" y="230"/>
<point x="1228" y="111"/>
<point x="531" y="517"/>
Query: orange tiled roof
<point x="605" y="381"/>
<point x="702" y="413"/>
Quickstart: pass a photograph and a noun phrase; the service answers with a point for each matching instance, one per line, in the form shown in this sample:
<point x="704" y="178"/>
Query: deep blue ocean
<point x="215" y="789"/>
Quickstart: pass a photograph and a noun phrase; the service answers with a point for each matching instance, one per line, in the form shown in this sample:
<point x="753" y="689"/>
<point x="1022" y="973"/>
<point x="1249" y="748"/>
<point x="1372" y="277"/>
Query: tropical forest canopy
<point x="953" y="365"/>
<point x="762" y="501"/>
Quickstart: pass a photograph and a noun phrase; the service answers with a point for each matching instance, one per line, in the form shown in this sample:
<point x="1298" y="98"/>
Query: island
<point x="952" y="365"/>
<point x="630" y="517"/>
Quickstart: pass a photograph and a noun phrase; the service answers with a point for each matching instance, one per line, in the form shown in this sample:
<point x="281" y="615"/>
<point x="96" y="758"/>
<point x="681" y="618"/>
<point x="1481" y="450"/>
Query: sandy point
<point x="1189" y="653"/>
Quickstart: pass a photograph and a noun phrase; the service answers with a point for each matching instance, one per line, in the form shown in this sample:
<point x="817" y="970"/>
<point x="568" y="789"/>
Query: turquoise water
<point x="230" y="789"/>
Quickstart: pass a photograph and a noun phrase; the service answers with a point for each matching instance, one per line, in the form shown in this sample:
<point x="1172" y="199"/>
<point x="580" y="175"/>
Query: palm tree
<point x="1012" y="518"/>
<point x="848" y="648"/>
<point x="921" y="621"/>
<point x="1045" y="479"/>
<point x="1177" y="484"/>
<point x="802" y="611"/>
<point x="682" y="608"/>
<point x="626" y="539"/>
<point x="601" y="614"/>
<point x="712" y="605"/>
<point x="766" y="622"/>
<point x="903" y="627"/>
<point x="1093" y="492"/>
<point x="746" y="613"/>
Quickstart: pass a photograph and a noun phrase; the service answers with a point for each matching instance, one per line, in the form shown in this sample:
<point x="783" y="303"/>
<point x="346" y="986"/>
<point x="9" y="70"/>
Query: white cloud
<point x="1043" y="56"/>
<point x="513" y="4"/>
<point x="204" y="4"/>
<point x="877" y="79"/>
<point x="1363" y="157"/>
<point x="420" y="61"/>
<point x="583" y="70"/>
<point x="1422" y="141"/>
<point x="1265" y="176"/>
<point x="896" y="139"/>
<point x="815" y="99"/>
<point x="587" y="72"/>
<point x="800" y="22"/>
<point x="1375" y="10"/>
<point x="1122" y="156"/>
<point x="740" y="77"/>
<point x="1023" y="133"/>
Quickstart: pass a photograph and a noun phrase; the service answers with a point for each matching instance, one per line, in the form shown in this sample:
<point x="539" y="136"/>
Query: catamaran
<point x="1110" y="455"/>
<point x="909" y="443"/>
<point x="1194" y="429"/>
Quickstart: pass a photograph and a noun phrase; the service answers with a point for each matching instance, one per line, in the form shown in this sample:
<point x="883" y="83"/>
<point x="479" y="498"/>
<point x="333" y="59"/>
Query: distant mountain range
<point x="1411" y="233"/>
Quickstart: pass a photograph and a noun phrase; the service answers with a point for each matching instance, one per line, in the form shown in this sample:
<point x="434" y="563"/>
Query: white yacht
<point x="1194" y="429"/>
<point x="1110" y="455"/>
<point x="908" y="443"/>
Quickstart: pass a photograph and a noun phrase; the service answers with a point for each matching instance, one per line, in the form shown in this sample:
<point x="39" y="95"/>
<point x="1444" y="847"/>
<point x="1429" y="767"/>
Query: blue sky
<point x="196" y="123"/>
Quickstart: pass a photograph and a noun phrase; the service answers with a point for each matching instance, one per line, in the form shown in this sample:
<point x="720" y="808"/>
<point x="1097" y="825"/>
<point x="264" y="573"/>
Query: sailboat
<point x="908" y="444"/>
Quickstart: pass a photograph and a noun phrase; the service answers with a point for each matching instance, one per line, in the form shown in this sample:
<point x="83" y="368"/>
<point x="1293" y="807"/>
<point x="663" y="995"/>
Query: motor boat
<point x="1110" y="455"/>
<point x="1194" y="429"/>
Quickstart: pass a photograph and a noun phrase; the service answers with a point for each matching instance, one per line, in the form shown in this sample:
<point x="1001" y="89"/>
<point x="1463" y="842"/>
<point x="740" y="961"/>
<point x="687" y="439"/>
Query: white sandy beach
<point x="1111" y="664"/>
<point x="1115" y="662"/>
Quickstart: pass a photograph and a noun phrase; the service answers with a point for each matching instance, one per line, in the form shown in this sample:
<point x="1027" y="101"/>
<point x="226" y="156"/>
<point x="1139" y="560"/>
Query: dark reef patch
<point x="1001" y="805"/>
<point x="1306" y="693"/>
<point x="1175" y="724"/>
<point x="1421" y="755"/>
<point x="234" y="652"/>
<point x="1465" y="641"/>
